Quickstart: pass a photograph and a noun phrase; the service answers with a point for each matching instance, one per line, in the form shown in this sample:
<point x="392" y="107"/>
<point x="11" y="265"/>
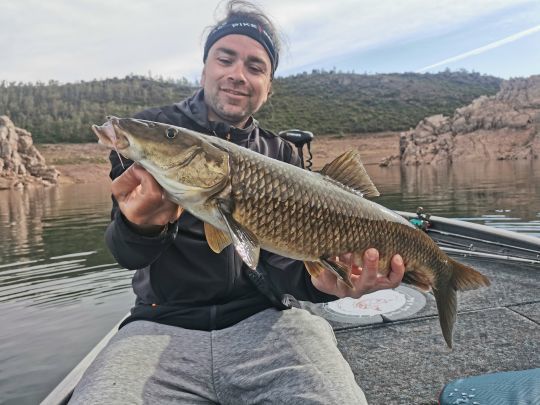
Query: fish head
<point x="181" y="160"/>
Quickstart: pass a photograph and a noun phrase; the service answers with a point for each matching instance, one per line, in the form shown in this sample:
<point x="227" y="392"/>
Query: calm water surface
<point x="61" y="291"/>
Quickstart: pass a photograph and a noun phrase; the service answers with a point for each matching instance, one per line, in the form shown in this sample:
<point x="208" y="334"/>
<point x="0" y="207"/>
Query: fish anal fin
<point x="421" y="279"/>
<point x="314" y="268"/>
<point x="348" y="170"/>
<point x="216" y="238"/>
<point x="341" y="270"/>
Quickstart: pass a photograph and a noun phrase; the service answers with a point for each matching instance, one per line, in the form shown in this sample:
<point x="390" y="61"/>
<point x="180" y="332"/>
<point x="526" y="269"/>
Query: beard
<point x="229" y="109"/>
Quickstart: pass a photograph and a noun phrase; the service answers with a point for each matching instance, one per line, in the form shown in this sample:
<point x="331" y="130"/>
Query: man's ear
<point x="203" y="76"/>
<point x="270" y="92"/>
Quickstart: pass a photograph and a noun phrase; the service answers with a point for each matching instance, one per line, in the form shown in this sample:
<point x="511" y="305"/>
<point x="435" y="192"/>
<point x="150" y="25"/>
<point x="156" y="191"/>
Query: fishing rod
<point x="466" y="253"/>
<point x="427" y="223"/>
<point x="487" y="242"/>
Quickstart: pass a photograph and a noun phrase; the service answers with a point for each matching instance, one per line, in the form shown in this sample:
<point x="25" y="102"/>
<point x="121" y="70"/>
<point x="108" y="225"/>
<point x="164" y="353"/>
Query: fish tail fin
<point x="463" y="278"/>
<point x="466" y="278"/>
<point x="446" y="298"/>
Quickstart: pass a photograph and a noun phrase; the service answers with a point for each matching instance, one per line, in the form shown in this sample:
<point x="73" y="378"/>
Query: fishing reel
<point x="300" y="138"/>
<point x="422" y="219"/>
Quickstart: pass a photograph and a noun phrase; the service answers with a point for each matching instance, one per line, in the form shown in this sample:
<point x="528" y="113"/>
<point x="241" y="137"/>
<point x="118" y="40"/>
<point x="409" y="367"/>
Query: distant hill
<point x="322" y="102"/>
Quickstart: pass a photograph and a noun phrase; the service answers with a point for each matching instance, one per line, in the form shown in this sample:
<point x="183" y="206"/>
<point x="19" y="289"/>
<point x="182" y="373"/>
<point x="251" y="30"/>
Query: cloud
<point x="483" y="49"/>
<point x="80" y="40"/>
<point x="334" y="29"/>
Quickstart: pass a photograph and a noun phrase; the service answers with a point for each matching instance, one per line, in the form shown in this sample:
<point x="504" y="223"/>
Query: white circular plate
<point x="377" y="303"/>
<point x="380" y="306"/>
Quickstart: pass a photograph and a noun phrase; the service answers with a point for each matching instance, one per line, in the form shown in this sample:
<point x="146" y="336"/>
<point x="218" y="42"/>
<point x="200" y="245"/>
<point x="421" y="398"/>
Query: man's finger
<point x="126" y="182"/>
<point x="395" y="275"/>
<point x="397" y="270"/>
<point x="134" y="176"/>
<point x="371" y="266"/>
<point x="148" y="183"/>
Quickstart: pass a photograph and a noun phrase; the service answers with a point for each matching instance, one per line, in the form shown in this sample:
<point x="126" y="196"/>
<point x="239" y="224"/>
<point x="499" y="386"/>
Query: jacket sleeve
<point x="131" y="249"/>
<point x="290" y="276"/>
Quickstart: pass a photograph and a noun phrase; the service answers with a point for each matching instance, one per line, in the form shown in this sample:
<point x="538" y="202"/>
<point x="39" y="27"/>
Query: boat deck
<point x="497" y="329"/>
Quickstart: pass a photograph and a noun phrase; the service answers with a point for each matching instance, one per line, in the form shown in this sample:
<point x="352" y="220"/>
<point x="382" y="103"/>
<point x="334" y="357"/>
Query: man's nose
<point x="237" y="72"/>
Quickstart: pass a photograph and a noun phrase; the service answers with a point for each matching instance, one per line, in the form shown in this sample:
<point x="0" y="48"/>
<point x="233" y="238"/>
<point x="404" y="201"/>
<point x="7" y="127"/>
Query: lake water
<point x="61" y="291"/>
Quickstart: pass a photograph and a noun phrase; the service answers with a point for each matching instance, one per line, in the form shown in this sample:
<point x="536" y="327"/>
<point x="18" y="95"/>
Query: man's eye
<point x="224" y="61"/>
<point x="256" y="69"/>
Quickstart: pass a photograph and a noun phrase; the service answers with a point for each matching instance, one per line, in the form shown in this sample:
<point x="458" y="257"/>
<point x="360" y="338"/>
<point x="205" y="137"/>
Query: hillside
<point x="323" y="102"/>
<point x="339" y="103"/>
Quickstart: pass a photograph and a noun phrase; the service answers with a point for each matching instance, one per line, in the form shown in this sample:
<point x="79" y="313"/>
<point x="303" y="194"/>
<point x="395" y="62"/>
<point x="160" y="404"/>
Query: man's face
<point x="236" y="79"/>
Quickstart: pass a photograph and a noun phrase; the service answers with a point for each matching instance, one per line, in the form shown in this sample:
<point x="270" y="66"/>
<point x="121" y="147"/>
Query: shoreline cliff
<point x="21" y="164"/>
<point x="501" y="127"/>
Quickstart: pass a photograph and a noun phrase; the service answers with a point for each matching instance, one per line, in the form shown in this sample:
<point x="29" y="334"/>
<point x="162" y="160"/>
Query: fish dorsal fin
<point x="245" y="242"/>
<point x="349" y="171"/>
<point x="217" y="239"/>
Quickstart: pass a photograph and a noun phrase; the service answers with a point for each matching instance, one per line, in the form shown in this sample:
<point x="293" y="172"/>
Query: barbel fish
<point x="256" y="202"/>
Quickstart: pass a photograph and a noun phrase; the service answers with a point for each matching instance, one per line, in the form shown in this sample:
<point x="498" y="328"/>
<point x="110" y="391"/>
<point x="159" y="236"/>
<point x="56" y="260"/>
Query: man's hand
<point x="364" y="279"/>
<point x="142" y="200"/>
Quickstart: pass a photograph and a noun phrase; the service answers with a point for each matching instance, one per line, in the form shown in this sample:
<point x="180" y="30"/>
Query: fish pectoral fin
<point x="216" y="238"/>
<point x="314" y="268"/>
<point x="341" y="270"/>
<point x="245" y="242"/>
<point x="349" y="170"/>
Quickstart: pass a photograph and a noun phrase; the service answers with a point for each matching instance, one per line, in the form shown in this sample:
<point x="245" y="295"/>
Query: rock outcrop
<point x="21" y="163"/>
<point x="501" y="127"/>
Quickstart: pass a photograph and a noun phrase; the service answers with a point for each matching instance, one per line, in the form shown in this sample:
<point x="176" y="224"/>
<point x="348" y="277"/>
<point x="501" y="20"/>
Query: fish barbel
<point x="255" y="202"/>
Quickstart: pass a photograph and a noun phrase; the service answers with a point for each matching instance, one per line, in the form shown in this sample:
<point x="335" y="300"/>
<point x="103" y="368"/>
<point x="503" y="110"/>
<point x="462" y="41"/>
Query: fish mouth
<point x="109" y="137"/>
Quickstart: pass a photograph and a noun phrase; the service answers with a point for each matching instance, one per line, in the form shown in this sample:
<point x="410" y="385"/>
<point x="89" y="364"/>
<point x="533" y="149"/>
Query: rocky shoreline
<point x="21" y="164"/>
<point x="502" y="127"/>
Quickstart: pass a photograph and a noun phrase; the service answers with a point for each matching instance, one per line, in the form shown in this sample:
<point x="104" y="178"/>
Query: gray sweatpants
<point x="274" y="357"/>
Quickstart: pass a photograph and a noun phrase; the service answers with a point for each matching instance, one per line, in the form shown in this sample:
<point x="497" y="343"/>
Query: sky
<point x="76" y="40"/>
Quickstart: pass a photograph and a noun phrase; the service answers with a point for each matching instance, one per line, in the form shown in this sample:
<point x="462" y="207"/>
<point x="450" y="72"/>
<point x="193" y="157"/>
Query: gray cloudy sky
<point x="72" y="40"/>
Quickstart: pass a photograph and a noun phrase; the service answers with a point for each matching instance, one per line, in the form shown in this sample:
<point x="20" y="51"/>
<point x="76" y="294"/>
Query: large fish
<point x="257" y="202"/>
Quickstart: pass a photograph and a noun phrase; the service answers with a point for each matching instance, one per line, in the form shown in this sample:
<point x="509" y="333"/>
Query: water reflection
<point x="504" y="194"/>
<point x="61" y="291"/>
<point x="47" y="234"/>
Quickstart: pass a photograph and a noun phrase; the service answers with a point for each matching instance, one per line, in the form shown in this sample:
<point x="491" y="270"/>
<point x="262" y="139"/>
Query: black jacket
<point x="179" y="280"/>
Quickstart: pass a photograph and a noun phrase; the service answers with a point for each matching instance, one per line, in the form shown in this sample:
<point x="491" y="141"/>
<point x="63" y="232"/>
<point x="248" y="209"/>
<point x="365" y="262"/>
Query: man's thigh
<point x="146" y="362"/>
<point x="279" y="357"/>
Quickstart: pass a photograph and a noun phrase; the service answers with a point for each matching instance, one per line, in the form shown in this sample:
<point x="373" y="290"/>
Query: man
<point x="205" y="328"/>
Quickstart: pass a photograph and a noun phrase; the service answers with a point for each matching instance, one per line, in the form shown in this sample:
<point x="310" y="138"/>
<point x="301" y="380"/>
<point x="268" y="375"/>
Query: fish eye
<point x="171" y="133"/>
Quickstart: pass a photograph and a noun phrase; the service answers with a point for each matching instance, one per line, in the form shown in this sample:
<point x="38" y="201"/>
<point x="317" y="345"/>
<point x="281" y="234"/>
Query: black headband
<point x="250" y="29"/>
